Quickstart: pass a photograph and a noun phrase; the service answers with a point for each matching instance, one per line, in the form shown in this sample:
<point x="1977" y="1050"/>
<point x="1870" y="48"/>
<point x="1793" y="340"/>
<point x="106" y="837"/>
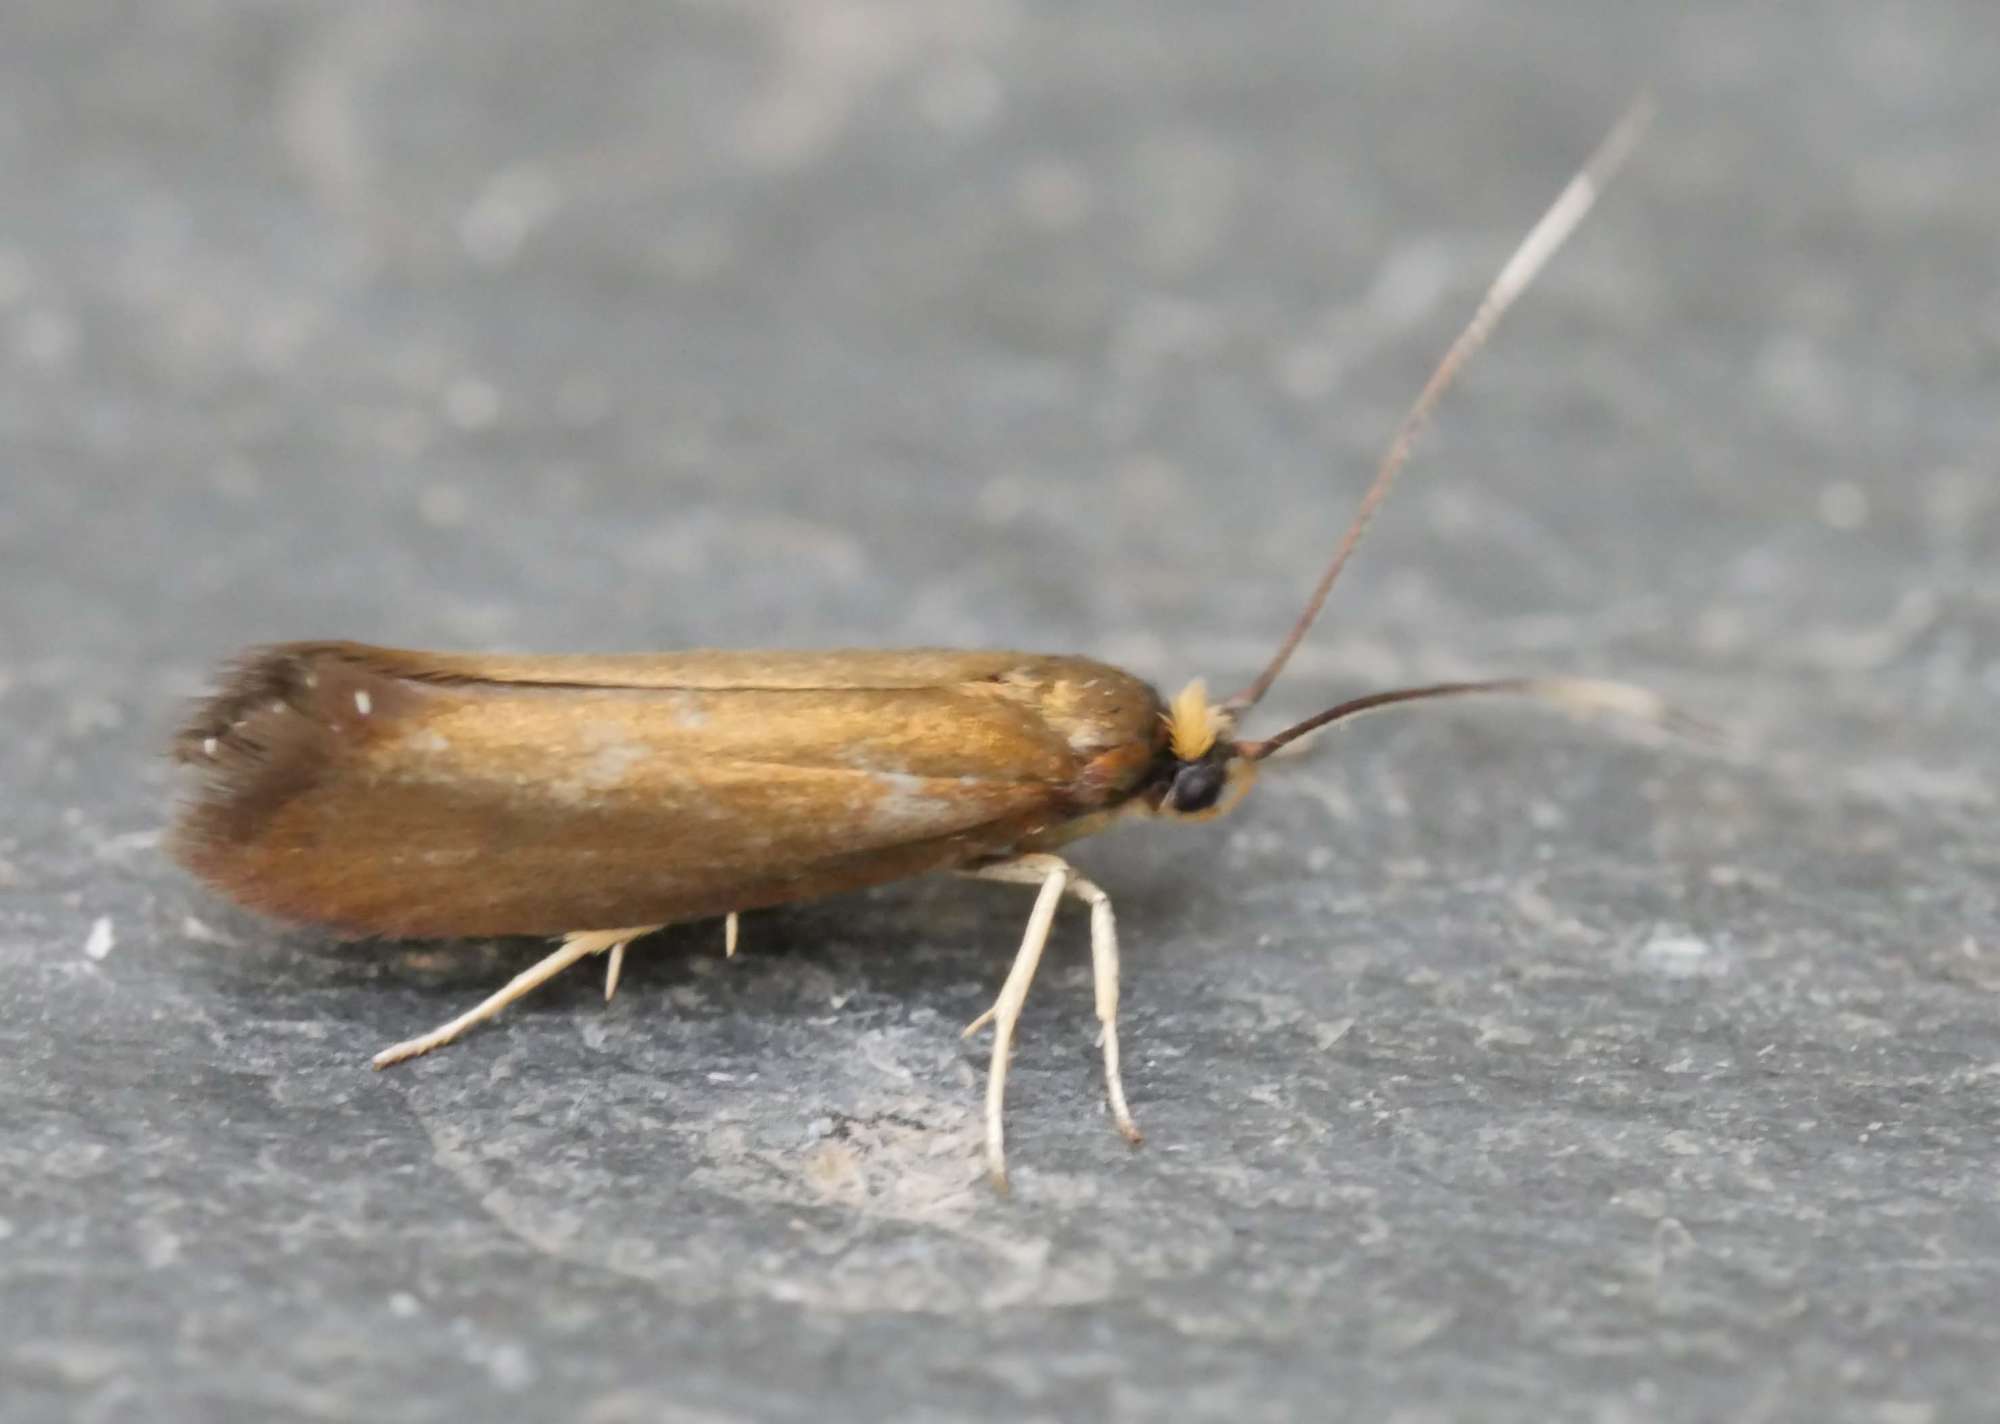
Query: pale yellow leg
<point x="616" y="964"/>
<point x="1056" y="878"/>
<point x="614" y="941"/>
<point x="578" y="945"/>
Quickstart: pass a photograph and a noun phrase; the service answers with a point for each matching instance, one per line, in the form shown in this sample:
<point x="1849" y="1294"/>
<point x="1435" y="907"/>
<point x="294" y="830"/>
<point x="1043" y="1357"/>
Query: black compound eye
<point x="1197" y="786"/>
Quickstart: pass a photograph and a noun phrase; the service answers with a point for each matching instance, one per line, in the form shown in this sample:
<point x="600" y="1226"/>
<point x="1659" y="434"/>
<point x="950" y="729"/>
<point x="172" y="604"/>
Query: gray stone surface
<point x="1495" y="1067"/>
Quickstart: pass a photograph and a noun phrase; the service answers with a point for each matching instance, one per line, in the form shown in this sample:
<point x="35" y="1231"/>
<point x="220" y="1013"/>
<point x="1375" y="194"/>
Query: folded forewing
<point x="399" y="793"/>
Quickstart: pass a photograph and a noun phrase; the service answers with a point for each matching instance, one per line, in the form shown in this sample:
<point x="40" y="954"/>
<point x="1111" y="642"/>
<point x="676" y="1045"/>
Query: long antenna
<point x="1572" y="694"/>
<point x="1536" y="248"/>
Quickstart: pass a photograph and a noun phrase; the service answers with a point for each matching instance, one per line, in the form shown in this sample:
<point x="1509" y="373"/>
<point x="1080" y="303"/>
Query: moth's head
<point x="1201" y="772"/>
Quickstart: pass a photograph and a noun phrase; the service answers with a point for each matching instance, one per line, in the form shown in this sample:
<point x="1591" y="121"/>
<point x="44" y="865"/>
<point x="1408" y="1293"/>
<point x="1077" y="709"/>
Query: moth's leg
<point x="1006" y="1010"/>
<point x="614" y="941"/>
<point x="1033" y="870"/>
<point x="615" y="966"/>
<point x="1043" y="870"/>
<point x="580" y="944"/>
<point x="1104" y="981"/>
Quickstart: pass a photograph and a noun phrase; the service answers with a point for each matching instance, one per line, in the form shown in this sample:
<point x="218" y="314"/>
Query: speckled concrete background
<point x="1495" y="1067"/>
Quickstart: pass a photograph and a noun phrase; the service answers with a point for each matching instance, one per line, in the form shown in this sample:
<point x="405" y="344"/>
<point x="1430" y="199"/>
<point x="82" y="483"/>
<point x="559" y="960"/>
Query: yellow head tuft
<point x="1193" y="722"/>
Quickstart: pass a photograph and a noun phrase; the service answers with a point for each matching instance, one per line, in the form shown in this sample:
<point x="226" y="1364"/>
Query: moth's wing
<point x="404" y="794"/>
<point x="858" y="669"/>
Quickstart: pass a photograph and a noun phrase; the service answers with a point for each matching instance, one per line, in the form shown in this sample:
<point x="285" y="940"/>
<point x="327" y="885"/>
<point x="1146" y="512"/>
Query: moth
<point x="595" y="799"/>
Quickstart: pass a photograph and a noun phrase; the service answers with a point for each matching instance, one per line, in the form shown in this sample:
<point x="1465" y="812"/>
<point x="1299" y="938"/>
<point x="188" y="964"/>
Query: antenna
<point x="1572" y="694"/>
<point x="1536" y="248"/>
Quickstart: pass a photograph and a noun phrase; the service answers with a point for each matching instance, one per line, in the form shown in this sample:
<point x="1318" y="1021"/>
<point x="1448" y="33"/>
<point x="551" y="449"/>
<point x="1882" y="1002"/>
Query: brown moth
<point x="427" y="795"/>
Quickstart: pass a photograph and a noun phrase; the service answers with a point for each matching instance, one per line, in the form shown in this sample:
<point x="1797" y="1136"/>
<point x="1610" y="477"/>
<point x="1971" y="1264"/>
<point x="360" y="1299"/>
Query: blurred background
<point x="1495" y="1067"/>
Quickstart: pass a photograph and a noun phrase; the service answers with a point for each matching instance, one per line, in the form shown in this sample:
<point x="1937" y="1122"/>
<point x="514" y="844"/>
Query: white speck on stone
<point x="158" y="1247"/>
<point x="363" y="703"/>
<point x="1407" y="1332"/>
<point x="510" y="1366"/>
<point x="1326" y="1035"/>
<point x="1496" y="1033"/>
<point x="403" y="1305"/>
<point x="203" y="933"/>
<point x="208" y="746"/>
<point x="100" y="940"/>
<point x="1679" y="955"/>
<point x="127" y="843"/>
